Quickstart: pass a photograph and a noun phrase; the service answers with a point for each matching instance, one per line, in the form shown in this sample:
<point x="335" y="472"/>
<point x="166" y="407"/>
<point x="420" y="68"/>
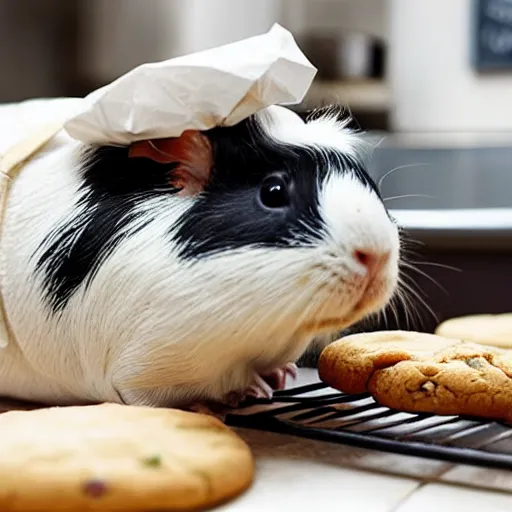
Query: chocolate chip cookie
<point x="118" y="458"/>
<point x="419" y="372"/>
<point x="494" y="330"/>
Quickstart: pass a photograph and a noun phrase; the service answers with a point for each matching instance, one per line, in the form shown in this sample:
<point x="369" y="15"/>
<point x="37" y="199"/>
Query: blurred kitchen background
<point x="430" y="81"/>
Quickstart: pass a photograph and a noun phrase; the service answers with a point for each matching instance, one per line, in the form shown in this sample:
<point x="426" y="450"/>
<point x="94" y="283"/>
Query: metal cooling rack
<point x="318" y="412"/>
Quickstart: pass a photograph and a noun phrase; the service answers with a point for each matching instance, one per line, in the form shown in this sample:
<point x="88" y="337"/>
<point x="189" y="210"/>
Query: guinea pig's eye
<point x="274" y="192"/>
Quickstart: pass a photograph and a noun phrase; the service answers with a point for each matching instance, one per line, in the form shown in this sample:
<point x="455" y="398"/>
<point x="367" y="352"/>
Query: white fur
<point x="285" y="126"/>
<point x="150" y="329"/>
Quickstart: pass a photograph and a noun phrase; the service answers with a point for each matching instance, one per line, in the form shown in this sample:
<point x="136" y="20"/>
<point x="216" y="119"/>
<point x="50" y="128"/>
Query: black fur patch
<point x="113" y="185"/>
<point x="227" y="216"/>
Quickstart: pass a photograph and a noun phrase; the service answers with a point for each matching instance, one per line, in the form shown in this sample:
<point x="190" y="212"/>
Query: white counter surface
<point x="295" y="474"/>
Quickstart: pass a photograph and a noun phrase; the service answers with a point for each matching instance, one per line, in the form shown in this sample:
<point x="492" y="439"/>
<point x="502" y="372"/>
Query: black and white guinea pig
<point x="190" y="269"/>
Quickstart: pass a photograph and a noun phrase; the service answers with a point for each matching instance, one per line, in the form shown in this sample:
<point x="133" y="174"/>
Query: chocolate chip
<point x="476" y="363"/>
<point x="95" y="488"/>
<point x="154" y="461"/>
<point x="428" y="386"/>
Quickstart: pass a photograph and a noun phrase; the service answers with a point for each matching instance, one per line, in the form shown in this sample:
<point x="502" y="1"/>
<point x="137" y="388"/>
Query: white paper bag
<point x="216" y="87"/>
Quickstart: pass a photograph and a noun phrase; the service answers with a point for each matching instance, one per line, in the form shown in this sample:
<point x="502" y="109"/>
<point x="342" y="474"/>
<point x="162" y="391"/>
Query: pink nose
<point x="373" y="261"/>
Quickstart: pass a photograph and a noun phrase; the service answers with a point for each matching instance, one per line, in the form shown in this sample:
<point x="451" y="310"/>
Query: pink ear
<point x="192" y="153"/>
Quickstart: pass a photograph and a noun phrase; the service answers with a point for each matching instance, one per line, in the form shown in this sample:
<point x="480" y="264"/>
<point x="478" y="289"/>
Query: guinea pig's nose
<point x="372" y="260"/>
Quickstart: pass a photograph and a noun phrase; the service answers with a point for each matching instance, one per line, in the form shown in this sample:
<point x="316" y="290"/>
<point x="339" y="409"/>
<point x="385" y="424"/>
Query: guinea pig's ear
<point x="191" y="153"/>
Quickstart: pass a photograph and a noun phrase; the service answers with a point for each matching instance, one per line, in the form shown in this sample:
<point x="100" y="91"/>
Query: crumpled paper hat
<point x="216" y="87"/>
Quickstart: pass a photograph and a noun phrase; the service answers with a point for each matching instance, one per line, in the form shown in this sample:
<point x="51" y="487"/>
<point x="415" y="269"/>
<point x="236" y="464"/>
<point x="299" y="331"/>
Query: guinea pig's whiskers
<point x="380" y="316"/>
<point x="439" y="265"/>
<point x="399" y="168"/>
<point x="407" y="196"/>
<point x="403" y="300"/>
<point x="393" y="307"/>
<point x="378" y="143"/>
<point x="409" y="244"/>
<point x="414" y="320"/>
<point x="409" y="265"/>
<point x="409" y="288"/>
<point x="408" y="252"/>
<point x="389" y="309"/>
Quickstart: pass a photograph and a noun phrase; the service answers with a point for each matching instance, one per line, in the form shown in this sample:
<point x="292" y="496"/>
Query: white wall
<point x="122" y="34"/>
<point x="119" y="35"/>
<point x="209" y="23"/>
<point x="433" y="85"/>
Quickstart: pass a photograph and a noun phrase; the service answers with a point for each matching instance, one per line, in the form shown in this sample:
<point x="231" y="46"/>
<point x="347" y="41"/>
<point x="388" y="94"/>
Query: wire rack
<point x="316" y="411"/>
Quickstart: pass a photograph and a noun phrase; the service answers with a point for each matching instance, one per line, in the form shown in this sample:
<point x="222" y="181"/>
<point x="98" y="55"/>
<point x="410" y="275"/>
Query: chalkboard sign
<point x="492" y="34"/>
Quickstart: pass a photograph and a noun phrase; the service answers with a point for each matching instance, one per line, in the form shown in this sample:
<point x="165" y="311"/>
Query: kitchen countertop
<point x="299" y="474"/>
<point x="296" y="474"/>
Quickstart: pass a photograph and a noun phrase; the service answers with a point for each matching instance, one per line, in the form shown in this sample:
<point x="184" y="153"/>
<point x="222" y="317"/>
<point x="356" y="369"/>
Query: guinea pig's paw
<point x="259" y="390"/>
<point x="263" y="386"/>
<point x="276" y="378"/>
<point x="266" y="383"/>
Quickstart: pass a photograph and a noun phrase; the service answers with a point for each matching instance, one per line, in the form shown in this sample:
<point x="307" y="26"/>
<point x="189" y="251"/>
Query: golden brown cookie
<point x="418" y="372"/>
<point x="118" y="458"/>
<point x="495" y="330"/>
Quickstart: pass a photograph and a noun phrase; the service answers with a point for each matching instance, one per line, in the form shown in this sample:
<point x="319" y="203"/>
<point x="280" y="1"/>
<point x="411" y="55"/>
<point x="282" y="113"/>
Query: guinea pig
<point x="189" y="269"/>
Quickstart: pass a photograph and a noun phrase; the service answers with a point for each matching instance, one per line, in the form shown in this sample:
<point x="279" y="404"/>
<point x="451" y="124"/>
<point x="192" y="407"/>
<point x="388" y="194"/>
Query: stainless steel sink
<point x="456" y="200"/>
<point x="450" y="197"/>
<point x="450" y="178"/>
